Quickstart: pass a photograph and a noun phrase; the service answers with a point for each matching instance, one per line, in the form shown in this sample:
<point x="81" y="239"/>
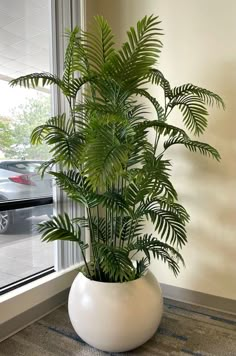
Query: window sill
<point x="18" y="302"/>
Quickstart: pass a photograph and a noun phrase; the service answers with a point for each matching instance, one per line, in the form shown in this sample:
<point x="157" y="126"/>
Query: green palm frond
<point x="77" y="187"/>
<point x="115" y="262"/>
<point x="100" y="229"/>
<point x="113" y="94"/>
<point x="99" y="45"/>
<point x="166" y="221"/>
<point x="61" y="228"/>
<point x="123" y="227"/>
<point x="77" y="83"/>
<point x="193" y="111"/>
<point x="58" y="125"/>
<point x="159" y="109"/>
<point x="34" y="80"/>
<point x="58" y="132"/>
<point x="67" y="150"/>
<point x="73" y="55"/>
<point x="170" y="227"/>
<point x="156" y="77"/>
<point x="176" y="208"/>
<point x="163" y="189"/>
<point x="154" y="178"/>
<point x="105" y="157"/>
<point x="46" y="166"/>
<point x="149" y="244"/>
<point x="161" y="127"/>
<point x="151" y="181"/>
<point x="131" y="194"/>
<point x="137" y="112"/>
<point x="113" y="200"/>
<point x="139" y="53"/>
<point x="140" y="145"/>
<point x="141" y="266"/>
<point x="111" y="99"/>
<point x="131" y="228"/>
<point x="193" y="146"/>
<point x="207" y="96"/>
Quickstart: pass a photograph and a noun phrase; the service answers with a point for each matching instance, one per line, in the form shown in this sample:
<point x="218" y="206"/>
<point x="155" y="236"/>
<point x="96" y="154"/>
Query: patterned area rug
<point x="184" y="330"/>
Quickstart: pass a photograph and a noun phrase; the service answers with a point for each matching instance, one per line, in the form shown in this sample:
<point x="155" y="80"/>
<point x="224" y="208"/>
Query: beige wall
<point x="199" y="47"/>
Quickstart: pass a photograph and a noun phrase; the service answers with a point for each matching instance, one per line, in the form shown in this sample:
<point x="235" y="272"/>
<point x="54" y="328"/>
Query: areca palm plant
<point x="102" y="156"/>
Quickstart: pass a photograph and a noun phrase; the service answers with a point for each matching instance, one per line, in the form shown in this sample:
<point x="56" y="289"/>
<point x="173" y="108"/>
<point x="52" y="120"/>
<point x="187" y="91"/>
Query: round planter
<point x="115" y="317"/>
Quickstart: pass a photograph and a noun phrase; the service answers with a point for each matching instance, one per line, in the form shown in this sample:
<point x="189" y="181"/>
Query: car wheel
<point x="5" y="222"/>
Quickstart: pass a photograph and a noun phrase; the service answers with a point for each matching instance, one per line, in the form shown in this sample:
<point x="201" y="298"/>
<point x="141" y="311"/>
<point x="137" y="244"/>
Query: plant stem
<point x="98" y="217"/>
<point x="106" y="218"/>
<point x="130" y="230"/>
<point x="116" y="210"/>
<point x="86" y="264"/>
<point x="96" y="260"/>
<point x="157" y="138"/>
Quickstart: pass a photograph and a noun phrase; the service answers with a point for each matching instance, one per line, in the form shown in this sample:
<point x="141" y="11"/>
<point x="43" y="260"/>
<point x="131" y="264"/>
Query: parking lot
<point x="22" y="253"/>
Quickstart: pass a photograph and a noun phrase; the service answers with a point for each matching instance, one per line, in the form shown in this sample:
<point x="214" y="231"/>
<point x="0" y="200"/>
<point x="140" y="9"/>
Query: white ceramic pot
<point x="115" y="317"/>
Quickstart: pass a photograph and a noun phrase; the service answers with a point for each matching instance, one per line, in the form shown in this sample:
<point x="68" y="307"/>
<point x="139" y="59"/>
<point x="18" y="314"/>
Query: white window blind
<point x="65" y="15"/>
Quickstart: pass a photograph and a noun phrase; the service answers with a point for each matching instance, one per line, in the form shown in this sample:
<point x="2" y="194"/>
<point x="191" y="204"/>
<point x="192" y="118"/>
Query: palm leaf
<point x="34" y="80"/>
<point x="155" y="176"/>
<point x="193" y="146"/>
<point x="77" y="83"/>
<point x="77" y="187"/>
<point x="58" y="132"/>
<point x="159" y="109"/>
<point x="152" y="180"/>
<point x="193" y="110"/>
<point x="161" y="127"/>
<point x="157" y="77"/>
<point x="46" y="166"/>
<point x="98" y="44"/>
<point x="72" y="59"/>
<point x="114" y="261"/>
<point x="176" y="208"/>
<point x="207" y="96"/>
<point x="160" y="250"/>
<point x="61" y="228"/>
<point x="55" y="125"/>
<point x="113" y="200"/>
<point x="166" y="221"/>
<point x="139" y="53"/>
<point x="105" y="157"/>
<point x="131" y="228"/>
<point x="170" y="227"/>
<point x="100" y="229"/>
<point x="141" y="266"/>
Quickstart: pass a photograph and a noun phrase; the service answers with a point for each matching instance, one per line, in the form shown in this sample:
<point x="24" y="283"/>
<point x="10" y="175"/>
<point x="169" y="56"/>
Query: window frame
<point x="63" y="15"/>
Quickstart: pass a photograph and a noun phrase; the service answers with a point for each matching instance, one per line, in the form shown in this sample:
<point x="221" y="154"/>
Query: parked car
<point x="21" y="180"/>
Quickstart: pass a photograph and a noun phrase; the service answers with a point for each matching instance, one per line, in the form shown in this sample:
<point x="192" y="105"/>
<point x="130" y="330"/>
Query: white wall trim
<point x="30" y="316"/>
<point x="18" y="301"/>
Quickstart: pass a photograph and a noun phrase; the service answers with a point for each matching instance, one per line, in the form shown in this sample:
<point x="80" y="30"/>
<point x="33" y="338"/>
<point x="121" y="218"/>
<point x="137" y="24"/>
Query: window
<point x="25" y="198"/>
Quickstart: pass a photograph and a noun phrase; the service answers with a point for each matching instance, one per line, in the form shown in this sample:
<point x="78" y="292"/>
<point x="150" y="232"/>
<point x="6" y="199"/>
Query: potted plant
<point x="106" y="162"/>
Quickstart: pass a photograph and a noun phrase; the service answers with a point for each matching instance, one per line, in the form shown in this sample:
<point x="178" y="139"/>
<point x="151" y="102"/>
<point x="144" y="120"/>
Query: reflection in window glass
<point x="24" y="49"/>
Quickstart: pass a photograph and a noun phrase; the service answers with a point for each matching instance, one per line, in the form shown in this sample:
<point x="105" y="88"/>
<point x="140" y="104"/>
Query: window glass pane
<point x="21" y="180"/>
<point x="24" y="49"/>
<point x="21" y="252"/>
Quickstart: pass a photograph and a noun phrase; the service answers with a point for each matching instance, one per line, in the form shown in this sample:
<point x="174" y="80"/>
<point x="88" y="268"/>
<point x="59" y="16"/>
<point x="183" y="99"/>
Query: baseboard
<point x="193" y="297"/>
<point x="26" y="318"/>
<point x="35" y="313"/>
